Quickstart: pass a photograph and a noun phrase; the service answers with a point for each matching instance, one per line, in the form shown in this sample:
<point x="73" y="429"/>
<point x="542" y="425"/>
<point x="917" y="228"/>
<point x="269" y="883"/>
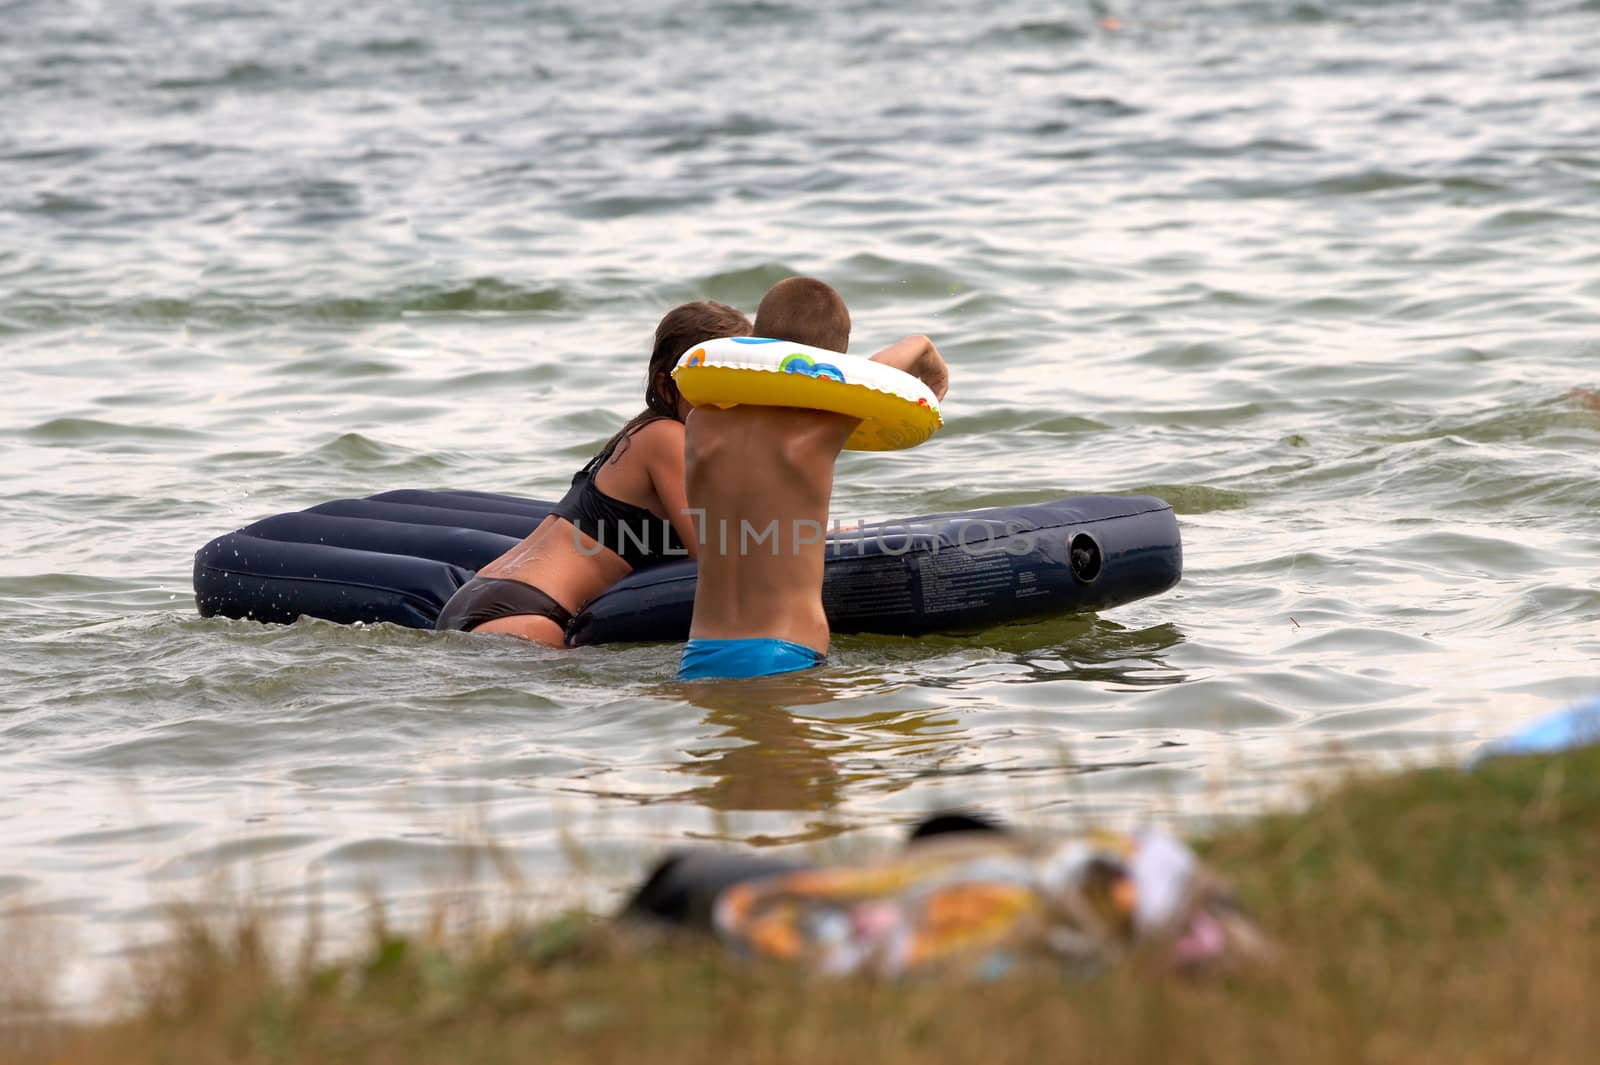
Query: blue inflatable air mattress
<point x="399" y="556"/>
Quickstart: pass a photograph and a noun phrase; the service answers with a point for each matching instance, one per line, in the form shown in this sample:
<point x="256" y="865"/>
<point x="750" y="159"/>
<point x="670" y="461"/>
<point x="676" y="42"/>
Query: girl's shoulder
<point x="651" y="439"/>
<point x="663" y="432"/>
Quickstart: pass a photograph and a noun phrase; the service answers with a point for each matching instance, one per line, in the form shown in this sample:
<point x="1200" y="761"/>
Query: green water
<point x="1321" y="275"/>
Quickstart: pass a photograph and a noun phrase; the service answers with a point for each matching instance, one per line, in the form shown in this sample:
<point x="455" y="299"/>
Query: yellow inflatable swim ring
<point x="896" y="410"/>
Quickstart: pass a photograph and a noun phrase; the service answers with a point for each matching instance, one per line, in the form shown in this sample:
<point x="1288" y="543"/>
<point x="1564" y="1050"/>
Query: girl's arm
<point x="666" y="477"/>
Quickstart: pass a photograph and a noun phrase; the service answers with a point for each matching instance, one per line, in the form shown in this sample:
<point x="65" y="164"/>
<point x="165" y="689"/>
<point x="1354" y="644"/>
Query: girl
<point x="626" y="509"/>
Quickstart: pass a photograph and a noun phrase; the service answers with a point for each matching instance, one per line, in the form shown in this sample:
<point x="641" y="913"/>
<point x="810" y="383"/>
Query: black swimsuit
<point x="485" y="599"/>
<point x="637" y="536"/>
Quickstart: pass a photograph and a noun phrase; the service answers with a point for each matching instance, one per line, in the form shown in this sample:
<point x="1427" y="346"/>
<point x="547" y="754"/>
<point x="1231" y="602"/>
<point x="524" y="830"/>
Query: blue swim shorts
<point x="703" y="659"/>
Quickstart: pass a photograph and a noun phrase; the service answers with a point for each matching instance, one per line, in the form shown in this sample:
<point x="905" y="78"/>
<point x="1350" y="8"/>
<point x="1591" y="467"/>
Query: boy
<point x="759" y="480"/>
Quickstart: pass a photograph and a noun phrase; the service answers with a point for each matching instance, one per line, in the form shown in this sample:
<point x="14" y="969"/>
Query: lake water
<point x="1326" y="276"/>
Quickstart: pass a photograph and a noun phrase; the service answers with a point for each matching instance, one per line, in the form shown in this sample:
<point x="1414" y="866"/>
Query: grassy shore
<point x="1433" y="916"/>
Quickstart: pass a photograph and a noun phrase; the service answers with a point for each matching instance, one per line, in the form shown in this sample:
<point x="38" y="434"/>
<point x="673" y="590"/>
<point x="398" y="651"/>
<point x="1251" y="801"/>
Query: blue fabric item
<point x="1565" y="730"/>
<point x="763" y="657"/>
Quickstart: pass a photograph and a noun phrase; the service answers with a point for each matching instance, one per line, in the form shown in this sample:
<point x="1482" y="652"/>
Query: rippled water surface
<point x="1325" y="276"/>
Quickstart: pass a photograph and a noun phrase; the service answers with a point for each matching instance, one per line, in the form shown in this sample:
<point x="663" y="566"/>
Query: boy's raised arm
<point x="918" y="357"/>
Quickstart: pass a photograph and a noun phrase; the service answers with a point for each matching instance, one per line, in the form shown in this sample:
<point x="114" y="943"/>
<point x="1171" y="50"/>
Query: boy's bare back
<point x="760" y="480"/>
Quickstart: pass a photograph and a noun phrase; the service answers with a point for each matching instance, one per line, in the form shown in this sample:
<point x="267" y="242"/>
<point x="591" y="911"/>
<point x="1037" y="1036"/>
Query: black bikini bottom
<point x="485" y="599"/>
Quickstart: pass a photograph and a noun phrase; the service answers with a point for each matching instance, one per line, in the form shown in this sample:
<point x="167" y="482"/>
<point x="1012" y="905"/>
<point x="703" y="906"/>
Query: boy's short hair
<point x="805" y="311"/>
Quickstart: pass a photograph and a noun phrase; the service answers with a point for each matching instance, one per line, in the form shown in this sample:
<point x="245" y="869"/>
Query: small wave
<point x="1360" y="183"/>
<point x="1522" y="219"/>
<point x="1188" y="356"/>
<point x="1308" y="13"/>
<point x="1468" y="183"/>
<point x="190" y="150"/>
<point x="1361" y="641"/>
<point x="912" y="279"/>
<point x="1165" y="150"/>
<point x="1522" y="424"/>
<point x="528" y="379"/>
<point x="55" y="584"/>
<point x="484" y="294"/>
<point x="145" y="834"/>
<point x="1068" y="425"/>
<point x="753" y="12"/>
<point x="336" y="368"/>
<point x="740" y="287"/>
<point x="55" y="157"/>
<point x="1489" y="556"/>
<point x="1218" y="705"/>
<point x="353" y="452"/>
<point x="208" y="12"/>
<point x="1039" y="31"/>
<point x="353" y="447"/>
<point x="996" y="420"/>
<point x="410" y="858"/>
<point x="480" y="295"/>
<point x="1330" y="307"/>
<point x="604" y="207"/>
<point x="57" y="204"/>
<point x="82" y="431"/>
<point x="11" y="884"/>
<point x="1101" y="106"/>
<point x="207" y="859"/>
<point x="679" y="136"/>
<point x="246" y="75"/>
<point x="1193" y="498"/>
<point x="396" y="46"/>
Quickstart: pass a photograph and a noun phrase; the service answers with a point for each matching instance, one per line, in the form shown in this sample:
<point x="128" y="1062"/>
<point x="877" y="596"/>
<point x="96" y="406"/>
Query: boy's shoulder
<point x="748" y="429"/>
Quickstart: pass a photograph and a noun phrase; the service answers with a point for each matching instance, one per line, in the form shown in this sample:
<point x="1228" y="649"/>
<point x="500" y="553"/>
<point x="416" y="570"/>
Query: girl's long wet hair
<point x="681" y="329"/>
